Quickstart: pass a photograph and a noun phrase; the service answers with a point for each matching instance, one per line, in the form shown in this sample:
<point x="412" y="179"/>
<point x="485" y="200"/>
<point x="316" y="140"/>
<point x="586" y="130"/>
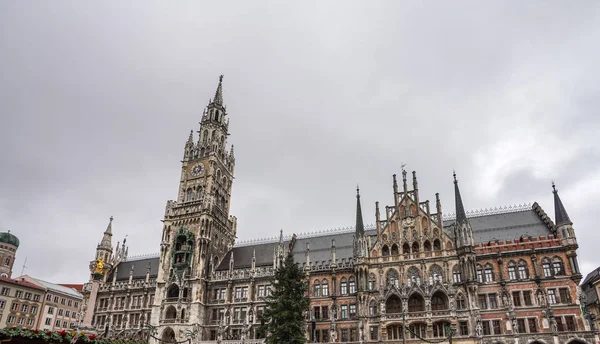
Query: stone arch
<point x="170" y="313"/>
<point x="439" y="301"/>
<point x="424" y="223"/>
<point x="576" y="341"/>
<point x="426" y="246"/>
<point x="394" y="250"/>
<point x="437" y="245"/>
<point x="173" y="291"/>
<point x="385" y="251"/>
<point x="416" y="303"/>
<point x="393" y="304"/>
<point x="405" y="248"/>
<point x="168" y="335"/>
<point x="415" y="247"/>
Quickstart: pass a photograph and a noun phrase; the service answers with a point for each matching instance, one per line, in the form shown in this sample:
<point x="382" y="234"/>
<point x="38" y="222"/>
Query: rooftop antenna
<point x="24" y="266"/>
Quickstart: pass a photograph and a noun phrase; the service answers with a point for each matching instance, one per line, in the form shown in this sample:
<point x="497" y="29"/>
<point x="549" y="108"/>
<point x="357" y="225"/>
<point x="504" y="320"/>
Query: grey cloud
<point x="97" y="102"/>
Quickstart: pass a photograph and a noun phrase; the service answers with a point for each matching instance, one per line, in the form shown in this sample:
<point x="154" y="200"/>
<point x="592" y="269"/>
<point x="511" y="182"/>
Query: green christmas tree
<point x="283" y="320"/>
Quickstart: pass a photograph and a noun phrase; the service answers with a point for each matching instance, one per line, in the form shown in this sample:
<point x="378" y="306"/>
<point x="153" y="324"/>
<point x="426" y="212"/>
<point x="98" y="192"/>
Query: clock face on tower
<point x="197" y="170"/>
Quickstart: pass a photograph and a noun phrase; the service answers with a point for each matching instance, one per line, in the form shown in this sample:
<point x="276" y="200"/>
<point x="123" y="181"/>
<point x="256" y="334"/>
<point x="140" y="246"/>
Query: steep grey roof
<point x="505" y="226"/>
<point x="140" y="266"/>
<point x="560" y="213"/>
<point x="242" y="256"/>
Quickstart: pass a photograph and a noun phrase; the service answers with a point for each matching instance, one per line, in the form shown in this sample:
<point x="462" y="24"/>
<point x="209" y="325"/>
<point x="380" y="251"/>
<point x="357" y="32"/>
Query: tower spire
<point x="360" y="228"/>
<point x="107" y="237"/>
<point x="560" y="213"/>
<point x="461" y="216"/>
<point x="219" y="93"/>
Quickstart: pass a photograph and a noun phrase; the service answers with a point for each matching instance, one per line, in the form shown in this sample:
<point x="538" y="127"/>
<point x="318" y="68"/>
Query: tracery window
<point x="436" y="273"/>
<point x="546" y="267"/>
<point x="372" y="282"/>
<point x="461" y="302"/>
<point x="523" y="271"/>
<point x="372" y="308"/>
<point x="325" y="288"/>
<point x="558" y="266"/>
<point x="512" y="271"/>
<point x="351" y="285"/>
<point x="343" y="286"/>
<point x="392" y="278"/>
<point x="456" y="276"/>
<point x="479" y="274"/>
<point x="489" y="273"/>
<point x="414" y="276"/>
<point x="317" y="289"/>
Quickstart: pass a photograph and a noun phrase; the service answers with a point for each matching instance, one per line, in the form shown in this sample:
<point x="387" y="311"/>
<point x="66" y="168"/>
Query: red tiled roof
<point x="21" y="282"/>
<point x="78" y="287"/>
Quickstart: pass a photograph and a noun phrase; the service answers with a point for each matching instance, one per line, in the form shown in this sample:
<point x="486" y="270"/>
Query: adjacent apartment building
<point x="20" y="303"/>
<point x="60" y="309"/>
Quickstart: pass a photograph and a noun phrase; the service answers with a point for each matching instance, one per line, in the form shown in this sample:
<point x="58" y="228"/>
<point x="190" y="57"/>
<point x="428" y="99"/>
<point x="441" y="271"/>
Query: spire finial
<point x="111" y="219"/>
<point x="219" y="93"/>
<point x="357" y="191"/>
<point x="560" y="213"/>
<point x="454" y="175"/>
<point x="360" y="228"/>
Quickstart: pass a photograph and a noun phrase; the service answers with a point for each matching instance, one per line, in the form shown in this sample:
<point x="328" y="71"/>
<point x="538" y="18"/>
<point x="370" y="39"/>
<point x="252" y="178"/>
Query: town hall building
<point x="507" y="275"/>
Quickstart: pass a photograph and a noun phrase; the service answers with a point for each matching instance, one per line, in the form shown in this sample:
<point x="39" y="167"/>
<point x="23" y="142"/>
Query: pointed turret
<point x="463" y="230"/>
<point x="360" y="228"/>
<point x="461" y="215"/>
<point x="560" y="213"/>
<point x="107" y="238"/>
<point x="219" y="93"/>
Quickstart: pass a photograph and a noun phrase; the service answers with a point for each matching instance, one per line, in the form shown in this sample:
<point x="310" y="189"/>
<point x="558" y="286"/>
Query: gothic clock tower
<point x="197" y="227"/>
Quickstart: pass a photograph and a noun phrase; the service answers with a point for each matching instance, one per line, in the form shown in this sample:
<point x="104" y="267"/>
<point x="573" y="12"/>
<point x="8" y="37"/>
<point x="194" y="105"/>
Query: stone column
<point x="91" y="304"/>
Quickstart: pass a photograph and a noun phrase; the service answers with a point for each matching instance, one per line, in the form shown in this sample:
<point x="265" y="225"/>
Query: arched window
<point x="546" y="267"/>
<point x="461" y="303"/>
<point x="372" y="308"/>
<point x="426" y="246"/>
<point x="414" y="276"/>
<point x="436" y="273"/>
<point x="325" y="287"/>
<point x="183" y="313"/>
<point x="351" y="285"/>
<point x="173" y="291"/>
<point x="317" y="289"/>
<point x="489" y="273"/>
<point x="372" y="282"/>
<point x="416" y="303"/>
<point x="512" y="271"/>
<point x="437" y="245"/>
<point x="171" y="313"/>
<point x="415" y="247"/>
<point x="405" y="248"/>
<point x="456" y="276"/>
<point x="558" y="267"/>
<point x="7" y="261"/>
<point x="523" y="270"/>
<point x="343" y="286"/>
<point x="479" y="274"/>
<point x="439" y="301"/>
<point x="394" y="250"/>
<point x="392" y="278"/>
<point x="189" y="195"/>
<point x="385" y="251"/>
<point x="205" y="136"/>
<point x="393" y="304"/>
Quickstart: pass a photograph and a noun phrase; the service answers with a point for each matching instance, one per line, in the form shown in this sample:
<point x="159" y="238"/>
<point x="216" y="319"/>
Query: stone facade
<point x="506" y="275"/>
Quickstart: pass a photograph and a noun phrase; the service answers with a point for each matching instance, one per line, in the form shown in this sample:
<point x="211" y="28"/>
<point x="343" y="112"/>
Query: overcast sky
<point x="97" y="101"/>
